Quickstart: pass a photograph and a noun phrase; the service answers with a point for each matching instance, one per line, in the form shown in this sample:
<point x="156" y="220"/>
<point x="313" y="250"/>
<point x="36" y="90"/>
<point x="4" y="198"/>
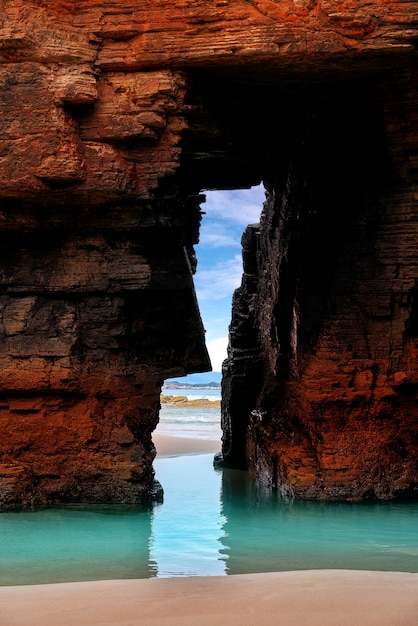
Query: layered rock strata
<point x="114" y="117"/>
<point x="97" y="299"/>
<point x="321" y="384"/>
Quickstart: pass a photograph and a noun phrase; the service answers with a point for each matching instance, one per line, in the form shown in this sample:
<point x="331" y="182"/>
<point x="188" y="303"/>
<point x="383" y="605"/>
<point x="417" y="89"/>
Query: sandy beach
<point x="176" y="446"/>
<point x="310" y="597"/>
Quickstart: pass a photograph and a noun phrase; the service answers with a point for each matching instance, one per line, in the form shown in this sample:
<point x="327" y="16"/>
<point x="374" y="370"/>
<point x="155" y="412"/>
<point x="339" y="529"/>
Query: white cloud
<point x="242" y="206"/>
<point x="220" y="281"/>
<point x="217" y="349"/>
<point x="219" y="269"/>
<point x="216" y="236"/>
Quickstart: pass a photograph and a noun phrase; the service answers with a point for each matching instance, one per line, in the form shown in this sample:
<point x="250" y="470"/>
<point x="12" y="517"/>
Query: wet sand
<point x="167" y="445"/>
<point x="306" y="598"/>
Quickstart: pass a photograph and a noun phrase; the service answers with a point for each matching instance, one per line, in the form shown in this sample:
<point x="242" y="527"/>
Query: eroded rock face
<point x="327" y="308"/>
<point x="97" y="300"/>
<point x="114" y="117"/>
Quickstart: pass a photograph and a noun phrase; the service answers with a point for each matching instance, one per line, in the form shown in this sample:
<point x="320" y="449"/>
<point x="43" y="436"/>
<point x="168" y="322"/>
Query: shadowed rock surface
<point x="115" y="116"/>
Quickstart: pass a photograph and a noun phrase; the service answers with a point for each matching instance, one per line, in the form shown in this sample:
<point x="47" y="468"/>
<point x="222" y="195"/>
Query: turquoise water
<point x="211" y="523"/>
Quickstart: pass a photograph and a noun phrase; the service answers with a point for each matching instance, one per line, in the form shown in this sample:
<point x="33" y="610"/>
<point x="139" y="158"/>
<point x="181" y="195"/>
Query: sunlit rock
<point x="114" y="118"/>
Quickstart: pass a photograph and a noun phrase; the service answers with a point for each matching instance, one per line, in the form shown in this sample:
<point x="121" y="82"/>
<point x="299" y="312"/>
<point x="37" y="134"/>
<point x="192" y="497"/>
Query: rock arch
<point x="115" y="117"/>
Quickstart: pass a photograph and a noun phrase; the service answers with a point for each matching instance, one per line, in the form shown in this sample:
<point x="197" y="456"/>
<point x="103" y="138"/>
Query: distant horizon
<point x="200" y="378"/>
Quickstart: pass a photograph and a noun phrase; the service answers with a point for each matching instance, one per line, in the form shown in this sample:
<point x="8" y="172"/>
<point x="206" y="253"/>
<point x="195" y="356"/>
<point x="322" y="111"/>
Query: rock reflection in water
<point x="263" y="532"/>
<point x="211" y="522"/>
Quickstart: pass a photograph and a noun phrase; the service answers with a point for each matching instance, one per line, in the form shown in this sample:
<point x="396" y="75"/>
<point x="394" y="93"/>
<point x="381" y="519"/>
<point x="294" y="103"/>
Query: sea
<point x="200" y="423"/>
<point x="211" y="522"/>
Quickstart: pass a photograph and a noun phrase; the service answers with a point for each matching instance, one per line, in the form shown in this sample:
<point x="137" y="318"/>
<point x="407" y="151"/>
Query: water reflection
<point x="187" y="528"/>
<point x="75" y="543"/>
<point x="210" y="523"/>
<point x="265" y="533"/>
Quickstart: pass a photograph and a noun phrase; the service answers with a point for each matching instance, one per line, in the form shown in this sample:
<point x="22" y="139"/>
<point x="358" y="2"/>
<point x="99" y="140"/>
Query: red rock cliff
<point x="321" y="383"/>
<point x="114" y="117"/>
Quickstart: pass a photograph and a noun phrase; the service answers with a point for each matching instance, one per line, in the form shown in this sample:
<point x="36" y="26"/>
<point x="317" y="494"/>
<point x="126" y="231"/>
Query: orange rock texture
<point x="320" y="390"/>
<point x="115" y="115"/>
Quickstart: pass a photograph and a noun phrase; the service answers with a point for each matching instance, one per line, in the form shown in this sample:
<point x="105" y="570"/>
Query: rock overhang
<point x="115" y="118"/>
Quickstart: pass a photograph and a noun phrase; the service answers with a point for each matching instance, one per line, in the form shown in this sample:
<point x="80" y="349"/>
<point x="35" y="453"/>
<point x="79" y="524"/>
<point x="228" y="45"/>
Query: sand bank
<point x="306" y="598"/>
<point x="168" y="445"/>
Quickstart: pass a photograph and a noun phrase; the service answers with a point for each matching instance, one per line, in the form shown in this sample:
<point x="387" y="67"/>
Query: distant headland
<point x="207" y="380"/>
<point x="183" y="402"/>
<point x="175" y="384"/>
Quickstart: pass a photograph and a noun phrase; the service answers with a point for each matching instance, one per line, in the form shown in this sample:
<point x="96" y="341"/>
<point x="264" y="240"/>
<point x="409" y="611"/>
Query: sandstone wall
<point x="115" y="115"/>
<point x="97" y="302"/>
<point x="320" y="388"/>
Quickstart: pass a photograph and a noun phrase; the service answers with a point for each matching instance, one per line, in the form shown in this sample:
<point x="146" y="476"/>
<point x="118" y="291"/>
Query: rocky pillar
<point x="334" y="307"/>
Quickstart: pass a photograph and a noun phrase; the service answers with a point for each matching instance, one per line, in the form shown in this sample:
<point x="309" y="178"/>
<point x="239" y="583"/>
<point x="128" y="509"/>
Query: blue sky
<point x="219" y="255"/>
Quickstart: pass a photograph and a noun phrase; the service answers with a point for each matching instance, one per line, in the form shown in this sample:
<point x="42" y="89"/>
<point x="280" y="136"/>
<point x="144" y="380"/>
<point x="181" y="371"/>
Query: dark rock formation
<point x="114" y="117"/>
<point x="97" y="299"/>
<point x="321" y="383"/>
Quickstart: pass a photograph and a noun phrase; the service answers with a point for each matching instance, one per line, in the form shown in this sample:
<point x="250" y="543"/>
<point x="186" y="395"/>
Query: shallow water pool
<point x="211" y="523"/>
